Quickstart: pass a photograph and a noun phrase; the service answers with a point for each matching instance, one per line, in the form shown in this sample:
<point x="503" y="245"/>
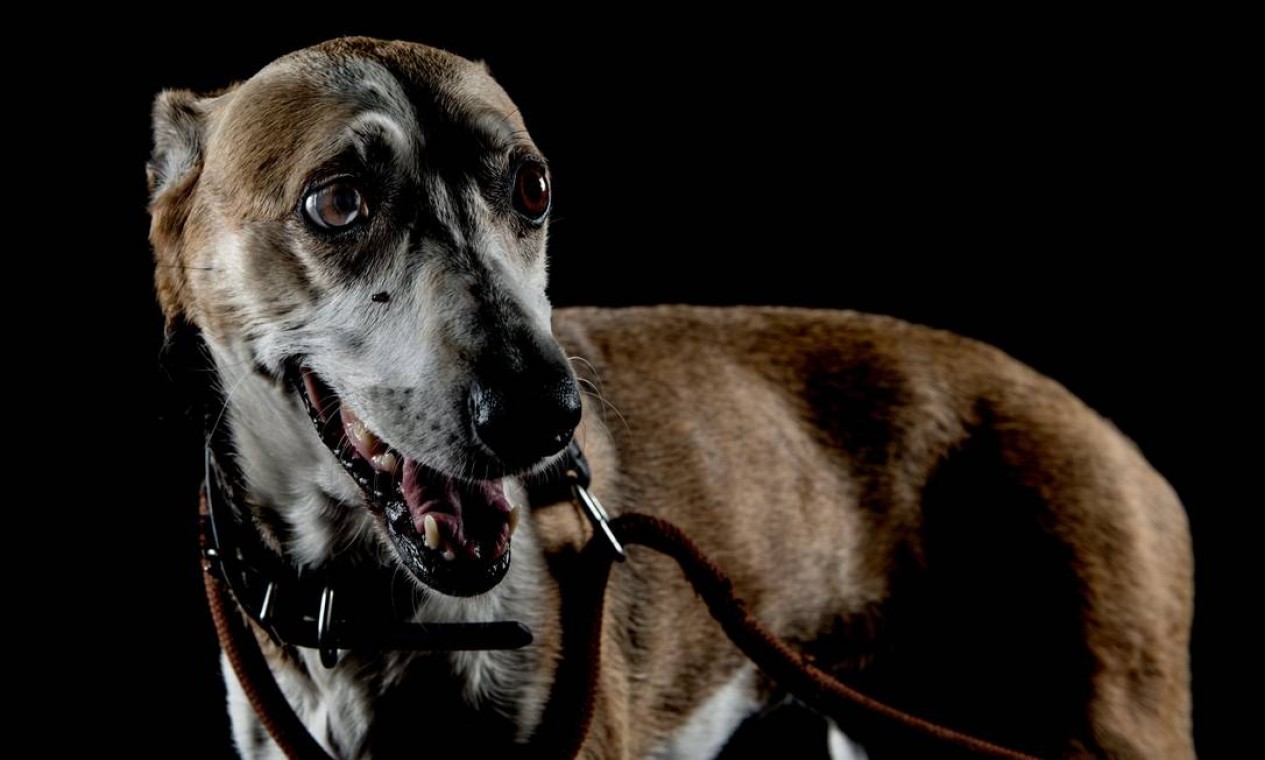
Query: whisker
<point x="596" y="390"/>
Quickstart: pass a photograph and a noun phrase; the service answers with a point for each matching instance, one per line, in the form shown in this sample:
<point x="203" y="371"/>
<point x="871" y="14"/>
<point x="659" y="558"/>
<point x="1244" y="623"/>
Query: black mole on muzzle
<point x="524" y="404"/>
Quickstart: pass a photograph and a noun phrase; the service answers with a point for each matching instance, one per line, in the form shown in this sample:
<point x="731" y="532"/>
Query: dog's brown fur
<point x="929" y="518"/>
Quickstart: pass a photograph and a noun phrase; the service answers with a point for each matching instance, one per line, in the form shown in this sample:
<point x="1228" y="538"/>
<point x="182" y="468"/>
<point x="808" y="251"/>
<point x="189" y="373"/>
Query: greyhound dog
<point x="358" y="235"/>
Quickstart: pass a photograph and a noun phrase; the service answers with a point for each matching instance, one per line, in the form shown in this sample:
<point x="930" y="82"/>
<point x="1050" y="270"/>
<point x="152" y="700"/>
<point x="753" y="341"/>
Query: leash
<point x="562" y="732"/>
<point x="569" y="712"/>
<point x="247" y="660"/>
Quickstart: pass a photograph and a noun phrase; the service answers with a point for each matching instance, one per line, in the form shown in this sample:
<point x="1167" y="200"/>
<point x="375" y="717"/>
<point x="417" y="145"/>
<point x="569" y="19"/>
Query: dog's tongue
<point x="458" y="519"/>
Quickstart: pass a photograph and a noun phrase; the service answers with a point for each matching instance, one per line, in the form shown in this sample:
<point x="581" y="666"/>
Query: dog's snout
<point x="524" y="418"/>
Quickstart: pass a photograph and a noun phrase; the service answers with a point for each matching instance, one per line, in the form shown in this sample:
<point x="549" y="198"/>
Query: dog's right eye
<point x="335" y="206"/>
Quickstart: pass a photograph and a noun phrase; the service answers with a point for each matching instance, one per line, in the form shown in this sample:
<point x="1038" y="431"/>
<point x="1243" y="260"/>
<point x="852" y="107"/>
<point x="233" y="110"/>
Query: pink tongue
<point x="472" y="517"/>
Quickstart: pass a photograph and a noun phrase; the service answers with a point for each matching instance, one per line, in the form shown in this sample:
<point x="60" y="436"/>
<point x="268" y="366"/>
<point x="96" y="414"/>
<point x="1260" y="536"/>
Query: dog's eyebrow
<point x="496" y="128"/>
<point x="380" y="125"/>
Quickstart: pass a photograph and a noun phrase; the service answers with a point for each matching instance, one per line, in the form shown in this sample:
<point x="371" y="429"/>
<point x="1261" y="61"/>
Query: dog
<point x="357" y="234"/>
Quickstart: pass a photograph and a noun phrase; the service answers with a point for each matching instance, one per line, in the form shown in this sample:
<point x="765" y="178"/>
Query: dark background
<point x="1057" y="193"/>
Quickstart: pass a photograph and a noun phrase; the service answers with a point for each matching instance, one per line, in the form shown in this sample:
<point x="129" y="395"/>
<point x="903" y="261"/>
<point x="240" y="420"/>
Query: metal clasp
<point x="268" y="607"/>
<point x="597" y="515"/>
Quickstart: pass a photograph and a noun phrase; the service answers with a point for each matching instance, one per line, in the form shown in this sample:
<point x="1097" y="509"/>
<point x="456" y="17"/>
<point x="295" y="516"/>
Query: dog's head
<point x="364" y="222"/>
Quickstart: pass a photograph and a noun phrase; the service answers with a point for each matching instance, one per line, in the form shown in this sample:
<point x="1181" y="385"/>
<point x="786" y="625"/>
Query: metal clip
<point x="597" y="515"/>
<point x="324" y="629"/>
<point x="268" y="607"/>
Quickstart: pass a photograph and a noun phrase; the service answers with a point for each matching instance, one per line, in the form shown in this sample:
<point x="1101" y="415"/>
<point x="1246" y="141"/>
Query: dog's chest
<point x="428" y="708"/>
<point x="383" y="708"/>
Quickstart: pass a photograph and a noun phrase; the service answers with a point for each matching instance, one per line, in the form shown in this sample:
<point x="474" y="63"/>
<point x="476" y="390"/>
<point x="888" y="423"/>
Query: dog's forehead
<point x="304" y="109"/>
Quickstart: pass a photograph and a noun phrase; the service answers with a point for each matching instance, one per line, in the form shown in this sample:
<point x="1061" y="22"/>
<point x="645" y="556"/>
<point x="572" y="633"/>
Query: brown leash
<point x="569" y="713"/>
<point x="237" y="639"/>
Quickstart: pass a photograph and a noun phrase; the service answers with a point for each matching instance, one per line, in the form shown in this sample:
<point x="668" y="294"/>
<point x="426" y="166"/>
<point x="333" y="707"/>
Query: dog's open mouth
<point x="453" y="535"/>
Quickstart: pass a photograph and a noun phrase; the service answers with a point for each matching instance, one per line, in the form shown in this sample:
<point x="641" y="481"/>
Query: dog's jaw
<point x="321" y="515"/>
<point x="452" y="535"/>
<point x="295" y="483"/>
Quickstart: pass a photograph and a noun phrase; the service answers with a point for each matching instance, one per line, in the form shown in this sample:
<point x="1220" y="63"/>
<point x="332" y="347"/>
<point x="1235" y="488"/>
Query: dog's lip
<point x="453" y="535"/>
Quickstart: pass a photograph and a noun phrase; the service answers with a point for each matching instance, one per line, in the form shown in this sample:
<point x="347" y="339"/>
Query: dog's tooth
<point x="431" y="529"/>
<point x="357" y="429"/>
<point x="387" y="462"/>
<point x="513" y="518"/>
<point x="449" y="556"/>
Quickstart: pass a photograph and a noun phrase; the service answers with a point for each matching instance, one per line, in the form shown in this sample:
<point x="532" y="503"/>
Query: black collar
<point x="306" y="609"/>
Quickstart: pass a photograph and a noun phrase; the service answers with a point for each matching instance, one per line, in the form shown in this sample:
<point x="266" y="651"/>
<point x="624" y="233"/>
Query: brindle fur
<point x="932" y="520"/>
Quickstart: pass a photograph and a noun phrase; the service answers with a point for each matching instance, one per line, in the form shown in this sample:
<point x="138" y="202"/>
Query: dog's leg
<point x="715" y="721"/>
<point x="1055" y="609"/>
<point x="1138" y="624"/>
<point x="1131" y="561"/>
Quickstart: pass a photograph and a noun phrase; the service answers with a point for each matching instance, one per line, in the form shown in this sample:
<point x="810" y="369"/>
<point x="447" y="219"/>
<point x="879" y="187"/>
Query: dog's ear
<point x="178" y="127"/>
<point x="173" y="170"/>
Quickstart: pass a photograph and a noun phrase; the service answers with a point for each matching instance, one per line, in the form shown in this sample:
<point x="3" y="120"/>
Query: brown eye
<point x="531" y="190"/>
<point x="335" y="206"/>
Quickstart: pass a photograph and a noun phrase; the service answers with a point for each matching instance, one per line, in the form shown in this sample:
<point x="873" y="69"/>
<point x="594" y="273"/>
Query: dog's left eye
<point x="335" y="206"/>
<point x="531" y="190"/>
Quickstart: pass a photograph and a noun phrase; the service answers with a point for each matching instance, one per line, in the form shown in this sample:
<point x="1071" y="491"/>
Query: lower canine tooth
<point x="431" y="529"/>
<point x="448" y="555"/>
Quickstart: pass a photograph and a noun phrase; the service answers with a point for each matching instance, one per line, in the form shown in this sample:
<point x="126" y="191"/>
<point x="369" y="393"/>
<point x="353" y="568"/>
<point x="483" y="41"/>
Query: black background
<point x="1055" y="192"/>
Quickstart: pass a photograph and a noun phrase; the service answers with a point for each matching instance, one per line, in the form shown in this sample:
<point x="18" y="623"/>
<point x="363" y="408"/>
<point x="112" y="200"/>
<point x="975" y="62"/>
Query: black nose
<point x="524" y="418"/>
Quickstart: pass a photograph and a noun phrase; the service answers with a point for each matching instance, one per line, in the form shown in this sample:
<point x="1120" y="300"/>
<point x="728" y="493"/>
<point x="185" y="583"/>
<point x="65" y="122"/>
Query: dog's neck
<point x="313" y="516"/>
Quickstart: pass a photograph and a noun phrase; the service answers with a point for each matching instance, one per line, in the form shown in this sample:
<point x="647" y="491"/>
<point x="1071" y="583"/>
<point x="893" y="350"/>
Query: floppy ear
<point x="178" y="125"/>
<point x="173" y="170"/>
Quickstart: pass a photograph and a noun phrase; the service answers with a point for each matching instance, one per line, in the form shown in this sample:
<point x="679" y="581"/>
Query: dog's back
<point x="937" y="522"/>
